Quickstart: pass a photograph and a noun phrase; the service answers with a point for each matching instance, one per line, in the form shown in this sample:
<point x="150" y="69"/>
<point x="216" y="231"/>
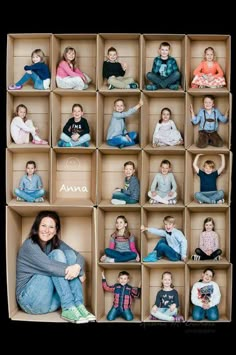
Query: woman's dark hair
<point x="55" y="241"/>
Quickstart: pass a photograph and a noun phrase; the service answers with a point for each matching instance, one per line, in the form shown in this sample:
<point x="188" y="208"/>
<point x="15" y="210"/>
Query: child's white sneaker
<point x="115" y="201"/>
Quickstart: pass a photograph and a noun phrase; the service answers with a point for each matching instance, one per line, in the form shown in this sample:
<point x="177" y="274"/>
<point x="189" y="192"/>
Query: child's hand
<point x="184" y="259"/>
<point x="209" y="251"/>
<point x="191" y="109"/>
<point x="75" y="136"/>
<point x="154" y="193"/>
<point x="154" y="308"/>
<point x="128" y="138"/>
<point x="137" y="258"/>
<point x="124" y="66"/>
<point x="143" y="228"/>
<point x="103" y="275"/>
<point x="172" y="307"/>
<point x="82" y="278"/>
<point x="171" y="193"/>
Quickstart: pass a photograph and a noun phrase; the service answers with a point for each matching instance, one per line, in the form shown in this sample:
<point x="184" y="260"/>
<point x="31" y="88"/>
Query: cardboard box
<point x="19" y="49"/>
<point x="222" y="102"/>
<point x="193" y="182"/>
<point x="86" y="55"/>
<point x="62" y="103"/>
<point x="195" y="217"/>
<point x="76" y="223"/>
<point x="73" y="178"/>
<point x="151" y="285"/>
<point x="39" y="111"/>
<point x="150" y="50"/>
<point x="16" y="160"/>
<point x="154" y="102"/>
<point x="223" y="276"/>
<point x="128" y="50"/>
<point x="195" y="46"/>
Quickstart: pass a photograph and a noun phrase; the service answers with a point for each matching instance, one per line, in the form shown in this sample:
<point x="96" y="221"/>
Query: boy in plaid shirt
<point x="123" y="294"/>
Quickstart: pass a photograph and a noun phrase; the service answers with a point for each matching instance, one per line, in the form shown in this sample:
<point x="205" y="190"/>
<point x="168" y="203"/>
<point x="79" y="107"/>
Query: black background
<point x="74" y="19"/>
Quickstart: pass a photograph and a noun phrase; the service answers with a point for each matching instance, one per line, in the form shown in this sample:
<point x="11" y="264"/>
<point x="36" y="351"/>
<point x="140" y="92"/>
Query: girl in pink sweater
<point x="208" y="74"/>
<point x="122" y="244"/>
<point x="209" y="242"/>
<point x="68" y="75"/>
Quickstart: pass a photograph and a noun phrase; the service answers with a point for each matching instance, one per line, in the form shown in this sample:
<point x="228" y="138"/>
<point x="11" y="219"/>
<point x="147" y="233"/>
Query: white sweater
<point x="203" y="292"/>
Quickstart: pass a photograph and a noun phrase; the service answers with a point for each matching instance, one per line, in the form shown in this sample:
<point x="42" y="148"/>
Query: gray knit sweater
<point x="32" y="260"/>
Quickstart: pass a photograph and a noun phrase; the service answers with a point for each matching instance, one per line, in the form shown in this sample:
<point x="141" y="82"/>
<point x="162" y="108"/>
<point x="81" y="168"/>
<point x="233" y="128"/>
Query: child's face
<point x="47" y="229"/>
<point x="209" y="55"/>
<point x="209" y="226"/>
<point x="21" y="112"/>
<point x="30" y="169"/>
<point x="112" y="56"/>
<point x="36" y="58"/>
<point x="168" y="226"/>
<point x="165" y="168"/>
<point x="119" y="106"/>
<point x="77" y="113"/>
<point x="165" y="116"/>
<point x="207" y="169"/>
<point x="164" y="52"/>
<point x="123" y="279"/>
<point x="207" y="276"/>
<point x="166" y="280"/>
<point x="70" y="55"/>
<point x="129" y="171"/>
<point x="120" y="224"/>
<point x="208" y="103"/>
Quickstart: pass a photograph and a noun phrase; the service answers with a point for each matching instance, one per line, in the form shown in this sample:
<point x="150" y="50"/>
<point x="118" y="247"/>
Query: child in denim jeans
<point x="205" y="297"/>
<point x="173" y="243"/>
<point x="49" y="273"/>
<point x="165" y="72"/>
<point x="131" y="191"/>
<point x="76" y="130"/>
<point x="38" y="72"/>
<point x="123" y="294"/>
<point x="167" y="301"/>
<point x="208" y="190"/>
<point x="30" y="187"/>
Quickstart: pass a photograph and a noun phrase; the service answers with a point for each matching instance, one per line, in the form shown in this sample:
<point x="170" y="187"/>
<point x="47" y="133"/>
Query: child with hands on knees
<point x="122" y="244"/>
<point x="131" y="191"/>
<point x="208" y="176"/>
<point x="30" y="187"/>
<point x="173" y="243"/>
<point x="76" y="130"/>
<point x="123" y="295"/>
<point x="208" y="118"/>
<point x="167" y="301"/>
<point x="114" y="72"/>
<point x="163" y="187"/>
<point x="205" y="297"/>
<point x="68" y="75"/>
<point x="38" y="72"/>
<point x="117" y="134"/>
<point x="22" y="127"/>
<point x="208" y="73"/>
<point x="166" y="132"/>
<point x="208" y="243"/>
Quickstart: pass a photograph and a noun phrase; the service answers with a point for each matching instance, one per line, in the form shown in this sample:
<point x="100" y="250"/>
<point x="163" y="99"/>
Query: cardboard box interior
<point x="76" y="223"/>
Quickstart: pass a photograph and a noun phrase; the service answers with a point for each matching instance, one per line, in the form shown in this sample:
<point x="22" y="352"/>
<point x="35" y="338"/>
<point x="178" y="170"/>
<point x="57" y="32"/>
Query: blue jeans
<point x="165" y="314"/>
<point x="163" y="249"/>
<point x="122" y="140"/>
<point x="163" y="81"/>
<point x="120" y="256"/>
<point x="38" y="83"/>
<point x="119" y="312"/>
<point x="83" y="139"/>
<point x="124" y="197"/>
<point x="200" y="313"/>
<point x="44" y="294"/>
<point x="29" y="196"/>
<point x="209" y="196"/>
